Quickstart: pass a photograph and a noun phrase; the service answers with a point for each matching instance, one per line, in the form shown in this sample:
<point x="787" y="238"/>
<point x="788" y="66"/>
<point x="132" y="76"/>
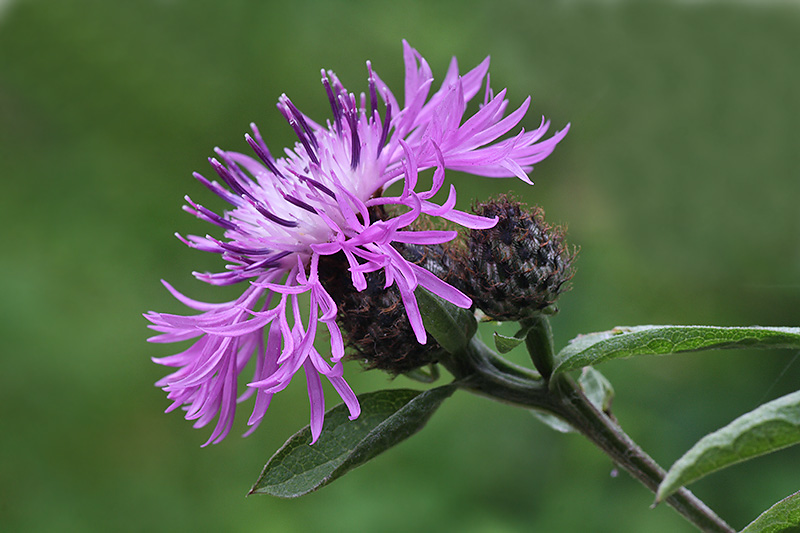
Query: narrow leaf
<point x="620" y="342"/>
<point x="597" y="389"/>
<point x="770" y="427"/>
<point x="783" y="517"/>
<point x="505" y="344"/>
<point x="387" y="418"/>
<point x="450" y="325"/>
<point x="429" y="375"/>
<point x="553" y="422"/>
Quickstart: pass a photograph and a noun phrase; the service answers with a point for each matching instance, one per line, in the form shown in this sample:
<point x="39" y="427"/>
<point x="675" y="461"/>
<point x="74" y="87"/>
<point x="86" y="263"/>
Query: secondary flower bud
<point x="517" y="268"/>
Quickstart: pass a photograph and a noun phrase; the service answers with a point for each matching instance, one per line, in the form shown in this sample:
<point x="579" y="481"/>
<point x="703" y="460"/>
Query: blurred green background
<point x="678" y="180"/>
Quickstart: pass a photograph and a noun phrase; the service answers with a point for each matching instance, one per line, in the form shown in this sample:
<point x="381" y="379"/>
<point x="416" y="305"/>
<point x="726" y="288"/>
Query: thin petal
<point x="424" y="237"/>
<point x="316" y="400"/>
<point x="440" y="288"/>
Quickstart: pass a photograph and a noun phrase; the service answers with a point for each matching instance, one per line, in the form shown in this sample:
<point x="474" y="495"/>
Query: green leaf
<point x="387" y="418"/>
<point x="429" y="375"/>
<point x="620" y="342"/>
<point x="770" y="427"/>
<point x="783" y="517"/>
<point x="597" y="389"/>
<point x="505" y="344"/>
<point x="553" y="422"/>
<point x="450" y="325"/>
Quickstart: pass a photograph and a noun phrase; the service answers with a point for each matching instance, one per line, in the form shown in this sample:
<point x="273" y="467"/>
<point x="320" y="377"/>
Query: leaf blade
<point x="387" y="418"/>
<point x="505" y="344"/>
<point x="767" y="428"/>
<point x="622" y="342"/>
<point x="598" y="391"/>
<point x="597" y="388"/>
<point x="783" y="517"/>
<point x="450" y="325"/>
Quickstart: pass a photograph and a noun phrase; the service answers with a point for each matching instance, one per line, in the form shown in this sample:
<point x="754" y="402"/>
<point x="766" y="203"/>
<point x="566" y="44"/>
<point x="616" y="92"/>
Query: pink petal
<point x="316" y="399"/>
<point x="440" y="288"/>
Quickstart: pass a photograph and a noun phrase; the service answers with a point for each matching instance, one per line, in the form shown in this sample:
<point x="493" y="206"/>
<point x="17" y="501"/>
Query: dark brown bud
<point x="519" y="267"/>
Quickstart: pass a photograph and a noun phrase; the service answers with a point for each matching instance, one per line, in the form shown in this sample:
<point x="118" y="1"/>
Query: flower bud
<point x="517" y="268"/>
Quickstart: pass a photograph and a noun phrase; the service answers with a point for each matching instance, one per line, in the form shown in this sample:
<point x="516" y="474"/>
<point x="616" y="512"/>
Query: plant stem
<point x="607" y="435"/>
<point x="483" y="372"/>
<point x="539" y="341"/>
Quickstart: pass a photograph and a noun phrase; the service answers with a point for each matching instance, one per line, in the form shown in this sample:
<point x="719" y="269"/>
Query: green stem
<point x="606" y="434"/>
<point x="483" y="372"/>
<point x="539" y="341"/>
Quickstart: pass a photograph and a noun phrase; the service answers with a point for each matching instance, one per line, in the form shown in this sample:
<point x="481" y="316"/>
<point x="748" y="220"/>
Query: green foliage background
<point x="679" y="180"/>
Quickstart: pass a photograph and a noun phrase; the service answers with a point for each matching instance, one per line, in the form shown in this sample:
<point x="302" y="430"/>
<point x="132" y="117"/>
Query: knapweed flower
<point x="319" y="199"/>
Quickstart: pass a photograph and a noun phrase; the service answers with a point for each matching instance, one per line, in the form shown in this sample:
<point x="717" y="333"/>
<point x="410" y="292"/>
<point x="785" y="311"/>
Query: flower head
<point x="518" y="268"/>
<point x="320" y="199"/>
<point x="373" y="320"/>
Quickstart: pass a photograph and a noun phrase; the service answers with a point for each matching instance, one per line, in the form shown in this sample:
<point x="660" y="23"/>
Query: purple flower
<point x="320" y="199"/>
